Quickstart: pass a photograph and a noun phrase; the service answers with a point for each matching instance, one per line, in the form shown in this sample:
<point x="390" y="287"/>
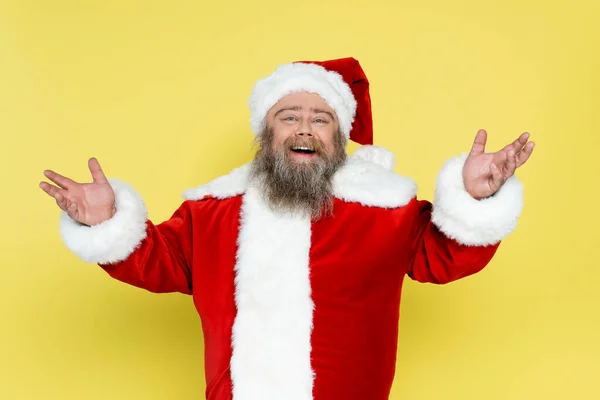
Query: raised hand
<point x="485" y="173"/>
<point x="87" y="203"/>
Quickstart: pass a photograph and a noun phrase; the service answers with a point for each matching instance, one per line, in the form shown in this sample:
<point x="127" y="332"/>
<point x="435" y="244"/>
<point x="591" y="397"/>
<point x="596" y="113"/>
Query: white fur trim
<point x="272" y="330"/>
<point x="361" y="180"/>
<point x="471" y="221"/>
<point x="297" y="77"/>
<point x="114" y="239"/>
<point x="377" y="155"/>
<point x="225" y="186"/>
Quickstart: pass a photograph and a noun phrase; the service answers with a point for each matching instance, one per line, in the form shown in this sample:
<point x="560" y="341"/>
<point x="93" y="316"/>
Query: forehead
<point x="305" y="100"/>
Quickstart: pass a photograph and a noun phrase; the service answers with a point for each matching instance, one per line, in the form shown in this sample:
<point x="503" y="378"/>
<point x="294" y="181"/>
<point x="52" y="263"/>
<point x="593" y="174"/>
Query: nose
<point x="305" y="129"/>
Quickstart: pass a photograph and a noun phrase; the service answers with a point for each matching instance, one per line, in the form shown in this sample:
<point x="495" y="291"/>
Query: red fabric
<point x="358" y="262"/>
<point x="353" y="74"/>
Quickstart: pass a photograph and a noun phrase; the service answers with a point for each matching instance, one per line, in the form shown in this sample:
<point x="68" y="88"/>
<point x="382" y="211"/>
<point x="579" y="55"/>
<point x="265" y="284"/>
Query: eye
<point x="320" y="121"/>
<point x="290" y="118"/>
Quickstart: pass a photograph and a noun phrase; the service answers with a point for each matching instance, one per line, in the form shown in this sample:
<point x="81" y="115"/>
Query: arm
<point x="458" y="235"/>
<point x="130" y="248"/>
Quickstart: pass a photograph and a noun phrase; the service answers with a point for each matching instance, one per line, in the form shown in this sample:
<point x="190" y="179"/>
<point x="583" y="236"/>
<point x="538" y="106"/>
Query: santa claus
<point x="295" y="261"/>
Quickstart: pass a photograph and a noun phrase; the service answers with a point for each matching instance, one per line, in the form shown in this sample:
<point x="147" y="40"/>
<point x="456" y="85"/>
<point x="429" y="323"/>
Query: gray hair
<point x="290" y="187"/>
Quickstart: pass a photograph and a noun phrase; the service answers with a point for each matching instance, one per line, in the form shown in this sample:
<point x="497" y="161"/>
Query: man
<point x="296" y="260"/>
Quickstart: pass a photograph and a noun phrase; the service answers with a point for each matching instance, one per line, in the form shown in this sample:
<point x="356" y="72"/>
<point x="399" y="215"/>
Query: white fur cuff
<point x="114" y="239"/>
<point x="468" y="220"/>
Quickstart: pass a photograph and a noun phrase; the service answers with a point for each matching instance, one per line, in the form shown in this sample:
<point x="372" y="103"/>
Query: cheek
<point x="279" y="137"/>
<point x="328" y="141"/>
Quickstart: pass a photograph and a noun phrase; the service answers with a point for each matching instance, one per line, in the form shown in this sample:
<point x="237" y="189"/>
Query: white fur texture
<point x="297" y="77"/>
<point x="377" y="155"/>
<point x="272" y="329"/>
<point x="230" y="185"/>
<point x="114" y="239"/>
<point x="366" y="179"/>
<point x="471" y="221"/>
<point x="362" y="181"/>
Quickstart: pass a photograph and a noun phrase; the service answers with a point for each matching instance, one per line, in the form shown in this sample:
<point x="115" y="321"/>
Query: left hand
<point x="485" y="173"/>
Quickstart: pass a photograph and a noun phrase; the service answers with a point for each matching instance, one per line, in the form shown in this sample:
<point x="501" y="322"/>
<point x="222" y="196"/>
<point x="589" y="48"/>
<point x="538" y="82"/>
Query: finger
<point x="511" y="164"/>
<point x="500" y="158"/>
<point x="479" y="142"/>
<point x="525" y="153"/>
<point x="62" y="201"/>
<point x="60" y="180"/>
<point x="96" y="170"/>
<point x="72" y="211"/>
<point x="51" y="190"/>
<point x="518" y="143"/>
<point x="497" y="177"/>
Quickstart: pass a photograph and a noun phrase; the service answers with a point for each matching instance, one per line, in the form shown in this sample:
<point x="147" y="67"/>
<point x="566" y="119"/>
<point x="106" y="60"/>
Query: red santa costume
<point x="291" y="308"/>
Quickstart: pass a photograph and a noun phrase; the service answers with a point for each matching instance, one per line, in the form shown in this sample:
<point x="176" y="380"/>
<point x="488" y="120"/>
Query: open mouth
<point x="303" y="150"/>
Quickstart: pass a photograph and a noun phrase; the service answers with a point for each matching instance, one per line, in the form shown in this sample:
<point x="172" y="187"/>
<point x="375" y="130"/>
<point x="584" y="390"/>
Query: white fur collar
<point x="367" y="178"/>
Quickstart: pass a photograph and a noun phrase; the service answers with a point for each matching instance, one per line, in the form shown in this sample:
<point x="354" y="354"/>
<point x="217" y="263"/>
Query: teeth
<point x="302" y="148"/>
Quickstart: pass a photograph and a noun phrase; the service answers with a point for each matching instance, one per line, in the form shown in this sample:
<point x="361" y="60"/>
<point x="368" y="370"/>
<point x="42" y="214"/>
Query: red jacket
<point x="292" y="308"/>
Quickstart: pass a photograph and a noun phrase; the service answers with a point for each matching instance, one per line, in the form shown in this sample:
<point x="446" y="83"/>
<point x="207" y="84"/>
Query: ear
<point x="377" y="155"/>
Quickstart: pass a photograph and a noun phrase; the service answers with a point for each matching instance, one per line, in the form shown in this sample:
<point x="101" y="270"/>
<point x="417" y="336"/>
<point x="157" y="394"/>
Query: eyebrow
<point x="298" y="108"/>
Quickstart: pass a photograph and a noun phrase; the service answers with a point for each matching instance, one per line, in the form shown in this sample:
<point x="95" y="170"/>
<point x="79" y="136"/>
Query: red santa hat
<point x="342" y="83"/>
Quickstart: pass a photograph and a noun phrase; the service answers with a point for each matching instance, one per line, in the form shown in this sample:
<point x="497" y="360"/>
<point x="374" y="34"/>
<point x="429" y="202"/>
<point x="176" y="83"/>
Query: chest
<point x="355" y="252"/>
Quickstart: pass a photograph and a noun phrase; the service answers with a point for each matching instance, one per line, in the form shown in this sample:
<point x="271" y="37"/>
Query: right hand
<point x="86" y="203"/>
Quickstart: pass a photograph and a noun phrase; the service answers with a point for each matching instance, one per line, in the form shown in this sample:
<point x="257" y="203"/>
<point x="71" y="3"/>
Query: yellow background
<point x="157" y="91"/>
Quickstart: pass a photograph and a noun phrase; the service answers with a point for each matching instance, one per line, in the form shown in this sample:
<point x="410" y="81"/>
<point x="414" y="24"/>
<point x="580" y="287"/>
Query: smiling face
<point x="300" y="150"/>
<point x="304" y="126"/>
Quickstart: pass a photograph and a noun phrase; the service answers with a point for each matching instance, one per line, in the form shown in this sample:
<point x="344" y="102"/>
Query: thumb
<point x="479" y="142"/>
<point x="97" y="173"/>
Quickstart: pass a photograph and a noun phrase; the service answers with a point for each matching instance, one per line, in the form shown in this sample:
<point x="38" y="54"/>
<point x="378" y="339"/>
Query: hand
<point x="87" y="203"/>
<point x="485" y="173"/>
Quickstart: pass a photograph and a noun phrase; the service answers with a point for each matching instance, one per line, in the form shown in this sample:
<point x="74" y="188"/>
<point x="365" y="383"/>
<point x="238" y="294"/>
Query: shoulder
<point x="226" y="186"/>
<point x="366" y="178"/>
